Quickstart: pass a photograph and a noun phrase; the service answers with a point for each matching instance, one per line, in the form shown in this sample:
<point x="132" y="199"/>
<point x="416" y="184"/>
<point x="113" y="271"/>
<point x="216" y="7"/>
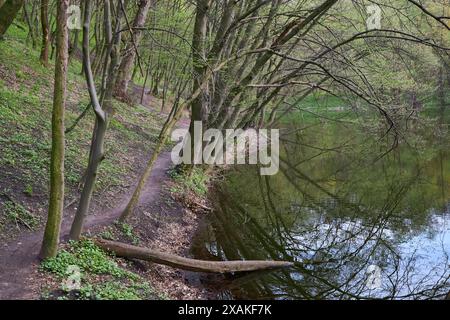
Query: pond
<point x="358" y="221"/>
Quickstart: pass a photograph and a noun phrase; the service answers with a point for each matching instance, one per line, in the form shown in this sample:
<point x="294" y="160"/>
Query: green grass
<point x="26" y="91"/>
<point x="196" y="181"/>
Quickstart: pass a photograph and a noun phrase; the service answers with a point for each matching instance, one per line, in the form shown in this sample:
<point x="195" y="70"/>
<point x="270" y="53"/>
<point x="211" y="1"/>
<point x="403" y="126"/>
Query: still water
<point x="359" y="222"/>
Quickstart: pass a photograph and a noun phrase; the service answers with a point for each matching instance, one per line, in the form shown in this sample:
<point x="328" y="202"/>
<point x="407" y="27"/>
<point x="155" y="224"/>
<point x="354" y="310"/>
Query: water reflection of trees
<point x="336" y="214"/>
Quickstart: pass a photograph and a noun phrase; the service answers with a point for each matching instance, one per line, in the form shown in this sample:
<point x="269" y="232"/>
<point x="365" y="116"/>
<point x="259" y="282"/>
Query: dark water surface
<point x="358" y="226"/>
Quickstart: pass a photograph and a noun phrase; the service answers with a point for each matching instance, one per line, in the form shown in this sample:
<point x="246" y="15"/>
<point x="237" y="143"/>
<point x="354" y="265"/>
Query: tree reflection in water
<point x="337" y="210"/>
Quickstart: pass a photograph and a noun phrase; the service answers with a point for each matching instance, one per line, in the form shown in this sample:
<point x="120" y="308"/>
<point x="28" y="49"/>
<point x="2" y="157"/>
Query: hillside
<point x="26" y="90"/>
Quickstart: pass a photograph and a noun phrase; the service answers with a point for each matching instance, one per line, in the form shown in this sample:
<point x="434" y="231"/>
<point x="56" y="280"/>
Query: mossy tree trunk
<point x="56" y="203"/>
<point x="8" y="12"/>
<point x="45" y="32"/>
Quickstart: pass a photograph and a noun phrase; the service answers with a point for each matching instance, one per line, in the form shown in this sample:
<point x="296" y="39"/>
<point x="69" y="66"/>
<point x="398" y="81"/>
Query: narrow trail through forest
<point x="19" y="256"/>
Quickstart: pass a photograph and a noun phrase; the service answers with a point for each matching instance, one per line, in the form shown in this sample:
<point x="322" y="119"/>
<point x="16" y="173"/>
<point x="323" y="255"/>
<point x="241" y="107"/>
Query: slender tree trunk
<point x="145" y="79"/>
<point x="97" y="147"/>
<point x="74" y="48"/>
<point x="112" y="72"/>
<point x="8" y="12"/>
<point x="172" y="119"/>
<point x="30" y="27"/>
<point x="125" y="69"/>
<point x="52" y="41"/>
<point x="33" y="23"/>
<point x="99" y="132"/>
<point x="97" y="152"/>
<point x="56" y="203"/>
<point x="45" y="32"/>
<point x="148" y="170"/>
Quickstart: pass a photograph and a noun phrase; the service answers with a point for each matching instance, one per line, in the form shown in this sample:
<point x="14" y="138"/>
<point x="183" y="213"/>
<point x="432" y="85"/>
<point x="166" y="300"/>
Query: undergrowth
<point x="100" y="275"/>
<point x="26" y="91"/>
<point x="196" y="181"/>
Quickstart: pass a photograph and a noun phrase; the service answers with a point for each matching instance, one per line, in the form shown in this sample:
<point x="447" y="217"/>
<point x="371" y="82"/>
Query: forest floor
<point x="162" y="220"/>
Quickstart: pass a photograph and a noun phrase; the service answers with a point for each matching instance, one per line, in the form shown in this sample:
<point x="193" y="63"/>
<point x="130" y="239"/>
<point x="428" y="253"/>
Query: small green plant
<point x="176" y="189"/>
<point x="196" y="180"/>
<point x="108" y="290"/>
<point x="94" y="262"/>
<point x="119" y="291"/>
<point x="88" y="257"/>
<point x="28" y="190"/>
<point x="46" y="294"/>
<point x="128" y="231"/>
<point x="108" y="234"/>
<point x="20" y="74"/>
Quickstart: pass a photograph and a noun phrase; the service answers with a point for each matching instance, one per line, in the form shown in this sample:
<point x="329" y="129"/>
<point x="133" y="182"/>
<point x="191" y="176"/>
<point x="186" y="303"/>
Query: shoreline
<point x="172" y="231"/>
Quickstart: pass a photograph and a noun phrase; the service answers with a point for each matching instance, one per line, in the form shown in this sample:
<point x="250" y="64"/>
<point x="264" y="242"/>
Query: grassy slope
<point x="26" y="89"/>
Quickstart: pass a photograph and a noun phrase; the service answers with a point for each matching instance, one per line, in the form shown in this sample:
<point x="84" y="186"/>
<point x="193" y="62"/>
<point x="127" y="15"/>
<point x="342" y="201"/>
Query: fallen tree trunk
<point x="128" y="251"/>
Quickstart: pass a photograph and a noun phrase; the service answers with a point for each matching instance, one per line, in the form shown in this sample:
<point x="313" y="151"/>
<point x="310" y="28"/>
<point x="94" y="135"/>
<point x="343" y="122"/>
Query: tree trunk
<point x="45" y="32"/>
<point x="97" y="152"/>
<point x="30" y="27"/>
<point x="112" y="70"/>
<point x="125" y="69"/>
<point x="129" y="251"/>
<point x="56" y="203"/>
<point x="101" y="123"/>
<point x="8" y="12"/>
<point x="74" y="48"/>
<point x="199" y="68"/>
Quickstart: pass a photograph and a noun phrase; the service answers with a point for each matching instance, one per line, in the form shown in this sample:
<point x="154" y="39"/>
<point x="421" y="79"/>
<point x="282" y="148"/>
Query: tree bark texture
<point x="56" y="202"/>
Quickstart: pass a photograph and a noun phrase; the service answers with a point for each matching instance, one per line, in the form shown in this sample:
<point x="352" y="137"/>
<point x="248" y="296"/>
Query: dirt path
<point x="18" y="258"/>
